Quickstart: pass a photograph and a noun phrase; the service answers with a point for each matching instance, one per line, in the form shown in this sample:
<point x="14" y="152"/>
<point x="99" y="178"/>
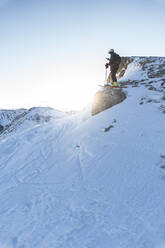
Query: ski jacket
<point x="114" y="61"/>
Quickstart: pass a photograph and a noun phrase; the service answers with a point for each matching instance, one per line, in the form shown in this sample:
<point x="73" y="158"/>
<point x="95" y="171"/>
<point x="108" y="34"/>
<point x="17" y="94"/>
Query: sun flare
<point x="75" y="97"/>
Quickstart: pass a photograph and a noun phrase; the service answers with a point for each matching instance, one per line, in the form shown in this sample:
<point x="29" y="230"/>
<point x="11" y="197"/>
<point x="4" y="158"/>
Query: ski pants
<point x="113" y="74"/>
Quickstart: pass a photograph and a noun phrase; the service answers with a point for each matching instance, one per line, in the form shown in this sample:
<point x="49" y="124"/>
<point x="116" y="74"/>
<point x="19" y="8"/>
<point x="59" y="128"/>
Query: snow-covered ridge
<point x="7" y="116"/>
<point x="12" y="119"/>
<point x="149" y="71"/>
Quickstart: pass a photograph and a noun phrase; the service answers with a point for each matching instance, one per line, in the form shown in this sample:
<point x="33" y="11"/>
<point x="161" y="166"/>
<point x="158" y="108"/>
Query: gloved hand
<point x="106" y="65"/>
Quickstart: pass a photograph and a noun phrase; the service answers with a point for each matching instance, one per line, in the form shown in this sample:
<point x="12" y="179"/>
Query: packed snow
<point x="69" y="181"/>
<point x="134" y="72"/>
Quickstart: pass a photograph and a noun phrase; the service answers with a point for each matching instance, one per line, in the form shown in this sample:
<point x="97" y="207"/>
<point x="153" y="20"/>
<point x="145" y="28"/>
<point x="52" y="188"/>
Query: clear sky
<point x="52" y="52"/>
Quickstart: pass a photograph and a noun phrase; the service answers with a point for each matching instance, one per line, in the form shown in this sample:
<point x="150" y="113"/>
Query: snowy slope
<point x="66" y="183"/>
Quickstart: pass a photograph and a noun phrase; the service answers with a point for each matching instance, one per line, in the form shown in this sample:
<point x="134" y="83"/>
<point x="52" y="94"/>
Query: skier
<point x="113" y="62"/>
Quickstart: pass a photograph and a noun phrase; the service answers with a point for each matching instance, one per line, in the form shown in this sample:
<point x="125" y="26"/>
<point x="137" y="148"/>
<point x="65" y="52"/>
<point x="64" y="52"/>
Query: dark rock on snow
<point x="1" y="128"/>
<point x="106" y="99"/>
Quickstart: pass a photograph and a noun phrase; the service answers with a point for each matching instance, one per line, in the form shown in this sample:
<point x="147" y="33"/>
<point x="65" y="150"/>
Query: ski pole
<point x="105" y="82"/>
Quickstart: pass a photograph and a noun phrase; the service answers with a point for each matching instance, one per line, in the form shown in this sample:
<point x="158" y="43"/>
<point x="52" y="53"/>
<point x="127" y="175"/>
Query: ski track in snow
<point x="69" y="184"/>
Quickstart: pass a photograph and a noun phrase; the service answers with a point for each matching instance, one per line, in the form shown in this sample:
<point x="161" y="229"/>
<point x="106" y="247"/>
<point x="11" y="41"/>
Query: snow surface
<point x="134" y="72"/>
<point x="66" y="183"/>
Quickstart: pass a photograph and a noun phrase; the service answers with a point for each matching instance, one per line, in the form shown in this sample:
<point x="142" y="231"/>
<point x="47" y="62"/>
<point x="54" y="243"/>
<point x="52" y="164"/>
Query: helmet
<point x="111" y="51"/>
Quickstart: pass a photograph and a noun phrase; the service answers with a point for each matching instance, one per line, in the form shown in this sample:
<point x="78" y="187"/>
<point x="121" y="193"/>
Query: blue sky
<point x="51" y="48"/>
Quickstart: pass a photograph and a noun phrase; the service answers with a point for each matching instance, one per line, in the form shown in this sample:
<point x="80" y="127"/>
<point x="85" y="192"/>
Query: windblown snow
<point x="77" y="181"/>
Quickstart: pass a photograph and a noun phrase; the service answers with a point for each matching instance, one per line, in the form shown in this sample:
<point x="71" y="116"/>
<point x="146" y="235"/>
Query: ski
<point x="110" y="86"/>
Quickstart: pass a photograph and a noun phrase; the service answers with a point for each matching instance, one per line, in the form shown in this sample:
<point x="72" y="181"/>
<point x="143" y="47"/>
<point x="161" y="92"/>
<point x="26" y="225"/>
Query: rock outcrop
<point x="1" y="128"/>
<point x="125" y="61"/>
<point x="107" y="98"/>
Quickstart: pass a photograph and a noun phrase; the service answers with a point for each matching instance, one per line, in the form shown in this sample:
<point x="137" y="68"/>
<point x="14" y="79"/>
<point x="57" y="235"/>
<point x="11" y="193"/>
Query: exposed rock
<point x="125" y="61"/>
<point x="108" y="128"/>
<point x="1" y="128"/>
<point x="163" y="97"/>
<point x="152" y="88"/>
<point x="107" y="98"/>
<point x="153" y="68"/>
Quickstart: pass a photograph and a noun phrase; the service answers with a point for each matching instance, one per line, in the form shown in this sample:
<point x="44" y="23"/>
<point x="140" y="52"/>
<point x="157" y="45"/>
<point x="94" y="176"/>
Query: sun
<point x="74" y="97"/>
<point x="63" y="87"/>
